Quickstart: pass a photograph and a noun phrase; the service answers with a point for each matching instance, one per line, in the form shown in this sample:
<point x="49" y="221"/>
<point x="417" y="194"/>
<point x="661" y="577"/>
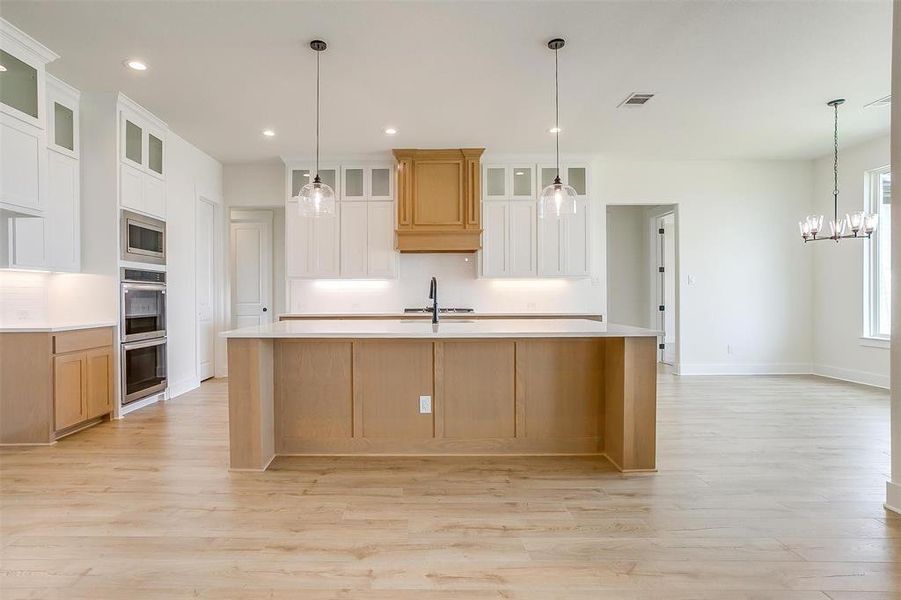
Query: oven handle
<point x="143" y="344"/>
<point x="145" y="286"/>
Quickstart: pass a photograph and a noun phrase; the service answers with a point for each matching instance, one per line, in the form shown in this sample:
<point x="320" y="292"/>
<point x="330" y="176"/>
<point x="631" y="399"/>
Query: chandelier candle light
<point x="858" y="225"/>
<point x="558" y="199"/>
<point x="316" y="199"/>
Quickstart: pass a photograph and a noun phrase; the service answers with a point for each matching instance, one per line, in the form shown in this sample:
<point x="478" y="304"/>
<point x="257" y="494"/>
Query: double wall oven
<point x="143" y="333"/>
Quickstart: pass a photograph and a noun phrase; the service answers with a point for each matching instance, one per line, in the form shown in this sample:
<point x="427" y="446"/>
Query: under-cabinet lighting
<point x="268" y="133"/>
<point x="390" y="130"/>
<point x="351" y="284"/>
<point x="136" y="65"/>
<point x="532" y="284"/>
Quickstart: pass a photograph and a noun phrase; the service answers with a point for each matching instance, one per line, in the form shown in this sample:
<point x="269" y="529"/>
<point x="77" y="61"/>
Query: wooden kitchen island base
<point x="567" y="395"/>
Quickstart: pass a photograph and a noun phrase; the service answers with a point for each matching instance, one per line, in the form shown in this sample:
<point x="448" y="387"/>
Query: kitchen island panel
<point x="477" y="397"/>
<point x="314" y="392"/>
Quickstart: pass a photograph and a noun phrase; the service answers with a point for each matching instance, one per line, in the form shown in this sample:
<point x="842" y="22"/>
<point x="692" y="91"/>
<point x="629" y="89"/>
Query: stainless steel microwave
<point x="143" y="239"/>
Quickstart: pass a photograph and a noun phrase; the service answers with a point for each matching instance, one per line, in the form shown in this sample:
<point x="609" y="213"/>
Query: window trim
<point x="870" y="336"/>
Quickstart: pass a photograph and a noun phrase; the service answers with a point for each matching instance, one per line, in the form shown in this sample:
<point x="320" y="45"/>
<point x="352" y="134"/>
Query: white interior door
<point x="205" y="288"/>
<point x="251" y="273"/>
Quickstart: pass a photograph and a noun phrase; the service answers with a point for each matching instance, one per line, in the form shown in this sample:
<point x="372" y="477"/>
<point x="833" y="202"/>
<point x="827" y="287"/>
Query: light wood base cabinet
<point x="52" y="384"/>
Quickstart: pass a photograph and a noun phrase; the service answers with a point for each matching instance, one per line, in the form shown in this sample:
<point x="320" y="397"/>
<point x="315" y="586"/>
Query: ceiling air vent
<point x="887" y="101"/>
<point x="635" y="100"/>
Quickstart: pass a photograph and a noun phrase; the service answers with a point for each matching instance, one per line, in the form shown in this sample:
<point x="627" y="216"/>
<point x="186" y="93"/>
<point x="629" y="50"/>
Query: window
<point x="878" y="290"/>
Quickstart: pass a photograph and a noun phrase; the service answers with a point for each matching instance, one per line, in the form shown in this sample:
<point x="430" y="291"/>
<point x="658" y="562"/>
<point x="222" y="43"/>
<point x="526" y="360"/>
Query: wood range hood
<point x="438" y="200"/>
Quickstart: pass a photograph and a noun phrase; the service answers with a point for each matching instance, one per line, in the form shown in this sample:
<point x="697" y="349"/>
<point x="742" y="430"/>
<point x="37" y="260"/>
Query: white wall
<point x="189" y="173"/>
<point x="254" y="184"/>
<point x="628" y="283"/>
<point x="737" y="239"/>
<point x="838" y="300"/>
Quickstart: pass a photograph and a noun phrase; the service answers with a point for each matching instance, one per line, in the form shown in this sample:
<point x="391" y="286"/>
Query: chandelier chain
<point x="835" y="163"/>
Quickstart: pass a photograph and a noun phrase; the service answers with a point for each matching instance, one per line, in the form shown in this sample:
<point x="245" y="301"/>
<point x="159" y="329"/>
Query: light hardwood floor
<point x="769" y="488"/>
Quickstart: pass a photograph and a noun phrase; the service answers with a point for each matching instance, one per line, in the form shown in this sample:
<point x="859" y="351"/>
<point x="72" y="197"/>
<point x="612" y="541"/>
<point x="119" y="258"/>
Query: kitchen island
<point x="408" y="387"/>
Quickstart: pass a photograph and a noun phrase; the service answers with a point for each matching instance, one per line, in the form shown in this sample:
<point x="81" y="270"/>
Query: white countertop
<point x="402" y="314"/>
<point x="53" y="327"/>
<point x="456" y="328"/>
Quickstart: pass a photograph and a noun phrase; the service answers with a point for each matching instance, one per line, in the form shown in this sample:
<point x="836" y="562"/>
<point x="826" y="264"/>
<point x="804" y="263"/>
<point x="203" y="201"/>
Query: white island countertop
<point x="455" y="328"/>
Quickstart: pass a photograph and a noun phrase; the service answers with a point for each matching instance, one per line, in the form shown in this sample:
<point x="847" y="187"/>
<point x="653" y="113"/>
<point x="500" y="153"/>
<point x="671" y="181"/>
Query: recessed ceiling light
<point x="268" y="132"/>
<point x="2" y="69"/>
<point x="135" y="65"/>
<point x="390" y="130"/>
<point x="554" y="130"/>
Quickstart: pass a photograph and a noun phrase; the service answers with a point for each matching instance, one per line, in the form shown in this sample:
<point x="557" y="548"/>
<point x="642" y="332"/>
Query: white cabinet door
<point x="154" y="195"/>
<point x="496" y="182"/>
<point x="550" y="247"/>
<point x="132" y="142"/>
<point x="521" y="253"/>
<point x="354" y="217"/>
<point x="298" y="243"/>
<point x="382" y="258"/>
<point x="131" y="188"/>
<point x="325" y="245"/>
<point x="575" y="249"/>
<point x="63" y="212"/>
<point x="29" y="242"/>
<point x="495" y="225"/>
<point x="22" y="154"/>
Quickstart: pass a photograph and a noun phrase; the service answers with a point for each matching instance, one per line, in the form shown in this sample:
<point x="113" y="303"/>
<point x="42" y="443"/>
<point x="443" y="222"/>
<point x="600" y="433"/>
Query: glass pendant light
<point x="558" y="199"/>
<point x="316" y="199"/>
<point x="859" y="224"/>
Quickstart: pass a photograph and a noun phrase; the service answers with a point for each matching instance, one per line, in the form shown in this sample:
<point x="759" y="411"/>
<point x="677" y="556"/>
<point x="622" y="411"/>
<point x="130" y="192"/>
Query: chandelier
<point x="857" y="225"/>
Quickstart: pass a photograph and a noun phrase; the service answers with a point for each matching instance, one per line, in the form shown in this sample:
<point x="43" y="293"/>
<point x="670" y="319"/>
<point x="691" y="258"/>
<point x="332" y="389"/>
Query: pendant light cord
<point x="557" y="110"/>
<point x="835" y="164"/>
<point x="317" y="114"/>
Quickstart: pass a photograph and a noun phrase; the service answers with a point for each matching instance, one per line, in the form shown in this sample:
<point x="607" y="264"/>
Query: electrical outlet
<point x="729" y="349"/>
<point x="425" y="405"/>
<point x="691" y="280"/>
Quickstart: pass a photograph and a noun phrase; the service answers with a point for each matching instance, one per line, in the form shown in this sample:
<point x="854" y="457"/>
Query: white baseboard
<point x="745" y="369"/>
<point x="893" y="496"/>
<point x="852" y="375"/>
<point x="178" y="388"/>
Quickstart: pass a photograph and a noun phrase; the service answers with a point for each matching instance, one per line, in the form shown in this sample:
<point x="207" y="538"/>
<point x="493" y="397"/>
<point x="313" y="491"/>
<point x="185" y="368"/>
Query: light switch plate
<point x="425" y="405"/>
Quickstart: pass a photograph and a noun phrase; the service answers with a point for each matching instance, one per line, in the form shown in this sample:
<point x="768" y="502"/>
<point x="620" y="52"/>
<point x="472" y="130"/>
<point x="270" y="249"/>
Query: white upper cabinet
<point x="22" y="124"/>
<point x="515" y="243"/>
<point x="62" y="117"/>
<point x="142" y="154"/>
<point x="563" y="244"/>
<point x="63" y="213"/>
<point x="363" y="183"/>
<point x="359" y="241"/>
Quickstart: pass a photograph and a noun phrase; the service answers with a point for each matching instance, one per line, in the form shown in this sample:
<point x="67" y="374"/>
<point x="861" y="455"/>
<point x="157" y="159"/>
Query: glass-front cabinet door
<point x="577" y="178"/>
<point x="495" y="182"/>
<point x="155" y="153"/>
<point x="381" y="183"/>
<point x="132" y="143"/>
<point x="18" y="86"/>
<point x="523" y="182"/>
<point x="353" y="179"/>
<point x="62" y="117"/>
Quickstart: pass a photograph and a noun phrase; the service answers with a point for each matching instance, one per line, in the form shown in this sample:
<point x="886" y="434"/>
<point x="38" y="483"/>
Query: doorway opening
<point x="643" y="272"/>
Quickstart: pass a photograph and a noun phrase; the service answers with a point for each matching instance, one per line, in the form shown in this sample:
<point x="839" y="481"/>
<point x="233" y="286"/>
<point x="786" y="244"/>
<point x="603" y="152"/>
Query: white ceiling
<point x="733" y="79"/>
